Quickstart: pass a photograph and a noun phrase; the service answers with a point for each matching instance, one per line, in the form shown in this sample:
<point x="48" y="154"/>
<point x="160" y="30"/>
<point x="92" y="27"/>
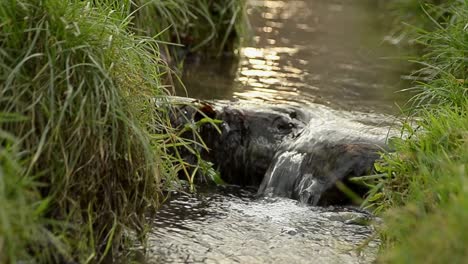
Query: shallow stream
<point x="304" y="53"/>
<point x="329" y="52"/>
<point x="229" y="225"/>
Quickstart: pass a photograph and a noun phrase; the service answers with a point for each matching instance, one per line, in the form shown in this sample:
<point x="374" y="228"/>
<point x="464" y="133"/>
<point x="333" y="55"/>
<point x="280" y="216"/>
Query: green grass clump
<point x="22" y="227"/>
<point x="201" y="25"/>
<point x="84" y="87"/>
<point x="445" y="60"/>
<point x="409" y="16"/>
<point x="423" y="192"/>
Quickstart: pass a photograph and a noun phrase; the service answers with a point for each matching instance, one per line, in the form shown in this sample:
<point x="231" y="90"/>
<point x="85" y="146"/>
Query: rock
<point x="287" y="151"/>
<point x="248" y="142"/>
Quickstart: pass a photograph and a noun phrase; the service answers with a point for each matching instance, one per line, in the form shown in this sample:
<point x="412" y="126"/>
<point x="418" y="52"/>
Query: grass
<point x="410" y="16"/>
<point x="208" y="26"/>
<point x="22" y="227"/>
<point x="425" y="192"/>
<point x="93" y="149"/>
<point x="423" y="189"/>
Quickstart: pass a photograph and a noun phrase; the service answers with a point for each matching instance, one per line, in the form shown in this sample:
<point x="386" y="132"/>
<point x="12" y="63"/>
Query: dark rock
<point x="248" y="142"/>
<point x="286" y="151"/>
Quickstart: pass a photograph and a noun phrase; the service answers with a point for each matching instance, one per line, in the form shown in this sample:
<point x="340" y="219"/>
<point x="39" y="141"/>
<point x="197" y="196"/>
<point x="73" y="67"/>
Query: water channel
<point x="308" y="53"/>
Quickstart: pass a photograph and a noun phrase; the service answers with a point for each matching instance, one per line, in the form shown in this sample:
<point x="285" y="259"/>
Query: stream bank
<point x="83" y="151"/>
<point x="422" y="189"/>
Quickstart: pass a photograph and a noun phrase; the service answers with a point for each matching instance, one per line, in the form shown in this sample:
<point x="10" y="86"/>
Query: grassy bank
<point x="423" y="192"/>
<point x="22" y="225"/>
<point x="80" y="84"/>
<point x="84" y="153"/>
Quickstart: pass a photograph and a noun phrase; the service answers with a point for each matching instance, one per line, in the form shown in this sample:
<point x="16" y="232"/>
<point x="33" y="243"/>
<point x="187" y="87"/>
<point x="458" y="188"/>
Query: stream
<point x="326" y="57"/>
<point x="228" y="225"/>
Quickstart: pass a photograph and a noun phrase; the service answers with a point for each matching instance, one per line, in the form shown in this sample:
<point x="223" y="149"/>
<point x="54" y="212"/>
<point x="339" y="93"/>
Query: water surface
<point x="329" y="52"/>
<point x="228" y="225"/>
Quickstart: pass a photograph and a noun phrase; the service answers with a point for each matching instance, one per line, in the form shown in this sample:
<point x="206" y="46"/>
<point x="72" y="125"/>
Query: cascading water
<point x="330" y="148"/>
<point x="228" y="225"/>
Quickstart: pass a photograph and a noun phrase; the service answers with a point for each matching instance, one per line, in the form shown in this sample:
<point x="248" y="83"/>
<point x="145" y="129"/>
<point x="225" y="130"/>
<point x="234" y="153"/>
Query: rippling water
<point x="329" y="52"/>
<point x="229" y="226"/>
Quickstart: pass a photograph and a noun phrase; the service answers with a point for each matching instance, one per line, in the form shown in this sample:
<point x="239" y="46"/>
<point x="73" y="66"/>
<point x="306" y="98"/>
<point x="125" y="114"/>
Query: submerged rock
<point x="290" y="152"/>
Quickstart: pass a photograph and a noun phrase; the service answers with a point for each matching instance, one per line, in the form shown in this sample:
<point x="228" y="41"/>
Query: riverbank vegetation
<point x="410" y="16"/>
<point x="84" y="152"/>
<point x="423" y="189"/>
<point x="209" y="26"/>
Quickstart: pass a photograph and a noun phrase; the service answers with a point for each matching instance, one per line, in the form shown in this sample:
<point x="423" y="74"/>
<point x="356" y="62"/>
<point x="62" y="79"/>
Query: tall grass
<point x="23" y="233"/>
<point x="423" y="190"/>
<point x="444" y="64"/>
<point x="200" y="25"/>
<point x="410" y="16"/>
<point x="90" y="138"/>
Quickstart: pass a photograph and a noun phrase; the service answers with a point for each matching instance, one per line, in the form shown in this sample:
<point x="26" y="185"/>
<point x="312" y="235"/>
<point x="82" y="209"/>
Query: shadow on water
<point x="327" y="52"/>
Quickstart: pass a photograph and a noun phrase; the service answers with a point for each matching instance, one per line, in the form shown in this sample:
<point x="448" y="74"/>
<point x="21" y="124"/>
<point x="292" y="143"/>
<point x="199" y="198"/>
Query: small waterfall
<point x="292" y="152"/>
<point x="286" y="170"/>
<point x="329" y="149"/>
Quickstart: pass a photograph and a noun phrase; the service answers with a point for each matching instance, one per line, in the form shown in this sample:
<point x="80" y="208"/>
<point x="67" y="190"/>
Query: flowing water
<point x="331" y="146"/>
<point x="229" y="225"/>
<point x="330" y="52"/>
<point x="304" y="53"/>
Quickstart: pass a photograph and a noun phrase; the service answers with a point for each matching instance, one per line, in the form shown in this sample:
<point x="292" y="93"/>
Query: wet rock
<point x="310" y="176"/>
<point x="248" y="142"/>
<point x="286" y="151"/>
<point x="329" y="150"/>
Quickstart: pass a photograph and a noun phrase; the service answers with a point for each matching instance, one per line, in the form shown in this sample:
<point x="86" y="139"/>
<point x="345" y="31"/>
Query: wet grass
<point x="422" y="192"/>
<point x="91" y="151"/>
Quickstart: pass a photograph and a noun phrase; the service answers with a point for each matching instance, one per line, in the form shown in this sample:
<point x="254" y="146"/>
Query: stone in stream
<point x="248" y="142"/>
<point x="287" y="151"/>
<point x="308" y="166"/>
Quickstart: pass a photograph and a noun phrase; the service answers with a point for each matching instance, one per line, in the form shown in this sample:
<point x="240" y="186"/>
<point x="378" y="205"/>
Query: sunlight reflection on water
<point x="328" y="52"/>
